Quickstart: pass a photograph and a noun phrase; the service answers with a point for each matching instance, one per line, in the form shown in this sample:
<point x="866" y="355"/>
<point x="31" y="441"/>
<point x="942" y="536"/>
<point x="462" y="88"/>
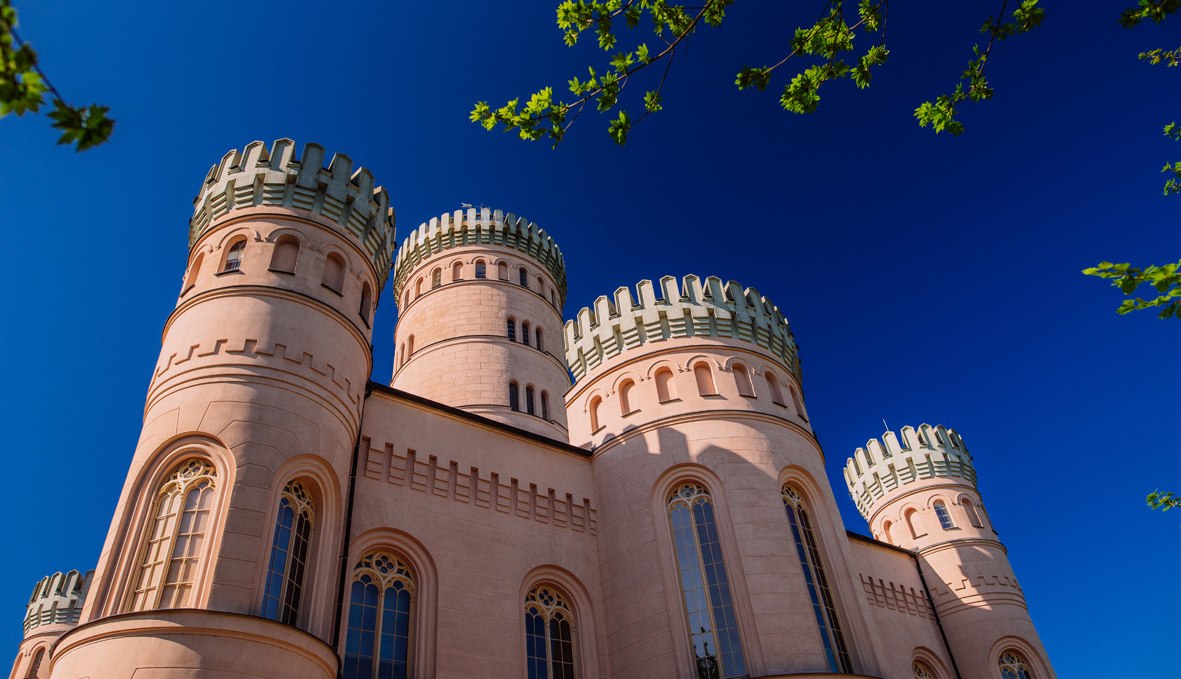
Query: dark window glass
<point x="818" y="590"/>
<point x="377" y="645"/>
<point x="514" y="398"/>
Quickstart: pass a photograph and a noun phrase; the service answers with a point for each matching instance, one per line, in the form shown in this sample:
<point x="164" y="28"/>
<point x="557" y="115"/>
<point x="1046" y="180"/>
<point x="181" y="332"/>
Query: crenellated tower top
<point x="479" y="226"/>
<point x="651" y="314"/>
<point x="57" y="600"/>
<point x="340" y="193"/>
<point x="887" y="464"/>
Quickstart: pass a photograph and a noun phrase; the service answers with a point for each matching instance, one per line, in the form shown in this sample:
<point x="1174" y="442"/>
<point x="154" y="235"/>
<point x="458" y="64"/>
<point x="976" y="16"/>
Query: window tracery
<point x="284" y="586"/>
<point x="921" y="671"/>
<point x="381" y="606"/>
<point x="549" y="634"/>
<point x="1013" y="666"/>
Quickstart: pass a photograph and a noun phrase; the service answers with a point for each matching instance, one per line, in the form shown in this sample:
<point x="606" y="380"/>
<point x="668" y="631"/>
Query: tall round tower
<point x="721" y="544"/>
<point x="54" y="609"/>
<point x="223" y="553"/>
<point x="918" y="491"/>
<point x="479" y="297"/>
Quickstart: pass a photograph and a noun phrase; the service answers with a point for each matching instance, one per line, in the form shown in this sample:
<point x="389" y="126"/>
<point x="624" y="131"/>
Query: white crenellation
<point x="924" y="453"/>
<point x="479" y="226"/>
<point x="57" y="599"/>
<point x="715" y="309"/>
<point x="260" y="176"/>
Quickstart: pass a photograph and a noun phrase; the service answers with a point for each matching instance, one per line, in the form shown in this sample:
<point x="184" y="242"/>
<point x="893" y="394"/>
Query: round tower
<point x="706" y="471"/>
<point x="253" y="412"/>
<point x="54" y="609"/>
<point x="918" y="491"/>
<point x="479" y="296"/>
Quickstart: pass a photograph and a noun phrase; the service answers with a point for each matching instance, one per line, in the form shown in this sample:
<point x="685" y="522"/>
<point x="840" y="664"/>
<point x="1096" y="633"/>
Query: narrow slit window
<point x="529" y="399"/>
<point x="594" y="412"/>
<point x="366" y="307"/>
<point x="514" y="397"/>
<point x="525" y="330"/>
<point x="537" y="334"/>
<point x="545" y="405"/>
<point x="512" y="329"/>
<point x="523" y="277"/>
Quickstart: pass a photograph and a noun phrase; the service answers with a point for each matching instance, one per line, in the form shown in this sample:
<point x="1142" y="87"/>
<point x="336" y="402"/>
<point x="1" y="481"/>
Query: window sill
<point x="671" y="400"/>
<point x="289" y="273"/>
<point x="334" y="290"/>
<point x="228" y="272"/>
<point x="630" y="413"/>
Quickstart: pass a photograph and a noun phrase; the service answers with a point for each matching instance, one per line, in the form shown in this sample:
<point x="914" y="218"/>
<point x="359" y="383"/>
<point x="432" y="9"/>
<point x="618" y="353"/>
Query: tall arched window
<point x="234" y="256"/>
<point x="418" y="288"/>
<point x="922" y="670"/>
<point x="286" y="254"/>
<point x="814" y="576"/>
<point x="409" y="347"/>
<point x="366" y="302"/>
<point x="514" y="396"/>
<point x="973" y="515"/>
<point x="525" y="330"/>
<point x="798" y="402"/>
<point x="436" y="278"/>
<point x="289" y="555"/>
<point x="912" y="522"/>
<point x="593" y="408"/>
<point x="713" y="627"/>
<point x="705" y="379"/>
<point x="529" y="399"/>
<point x="334" y="273"/>
<point x="512" y="330"/>
<point x="457" y="272"/>
<point x="537" y="335"/>
<point x="195" y="269"/>
<point x="502" y="271"/>
<point x="545" y="405"/>
<point x="774" y="388"/>
<point x="945" y="521"/>
<point x="625" y="393"/>
<point x="481" y="269"/>
<point x="1013" y="666"/>
<point x="549" y="634"/>
<point x="742" y="379"/>
<point x="34" y="671"/>
<point x="381" y="609"/>
<point x="666" y="390"/>
<point x="182" y="512"/>
<point x="523" y="277"/>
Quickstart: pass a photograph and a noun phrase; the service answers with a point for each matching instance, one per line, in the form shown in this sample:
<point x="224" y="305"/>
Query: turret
<point x="54" y="608"/>
<point x="479" y="296"/>
<point x="688" y="392"/>
<point x="236" y="490"/>
<point x="918" y="491"/>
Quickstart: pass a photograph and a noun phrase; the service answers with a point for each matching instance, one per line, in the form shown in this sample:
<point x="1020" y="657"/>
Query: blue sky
<point x="927" y="278"/>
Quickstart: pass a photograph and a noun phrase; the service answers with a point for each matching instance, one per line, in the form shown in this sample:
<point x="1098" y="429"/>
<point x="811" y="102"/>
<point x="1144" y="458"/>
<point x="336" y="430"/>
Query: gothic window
<point x="457" y="272"/>
<point x="182" y="512"/>
<point x="973" y="515"/>
<point x="514" y="397"/>
<point x="814" y="575"/>
<point x="525" y="330"/>
<point x="481" y="269"/>
<point x="774" y="388"/>
<point x="665" y="389"/>
<point x="523" y="277"/>
<point x="625" y="391"/>
<point x="742" y="379"/>
<point x="1013" y="666"/>
<point x="594" y="412"/>
<point x="713" y="627"/>
<point x="549" y="634"/>
<point x="35" y="666"/>
<point x="512" y="330"/>
<point x="381" y="606"/>
<point x="285" y="255"/>
<point x="436" y="278"/>
<point x="289" y="555"/>
<point x="921" y="670"/>
<point x="529" y="399"/>
<point x="234" y="256"/>
<point x="537" y="335"/>
<point x="545" y="405"/>
<point x="502" y="271"/>
<point x="944" y="517"/>
<point x="195" y="269"/>
<point x="705" y="379"/>
<point x="334" y="273"/>
<point x="366" y="302"/>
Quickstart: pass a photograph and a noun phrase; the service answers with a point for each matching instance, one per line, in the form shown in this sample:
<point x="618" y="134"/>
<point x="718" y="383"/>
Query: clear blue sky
<point x="927" y="278"/>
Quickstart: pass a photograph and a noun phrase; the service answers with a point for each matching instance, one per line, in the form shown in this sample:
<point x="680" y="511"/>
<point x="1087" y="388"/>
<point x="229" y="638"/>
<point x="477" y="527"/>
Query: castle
<point x="636" y="493"/>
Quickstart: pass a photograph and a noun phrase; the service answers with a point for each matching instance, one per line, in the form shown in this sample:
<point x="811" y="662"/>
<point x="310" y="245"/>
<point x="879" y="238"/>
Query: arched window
<point x="457" y="272"/>
<point x="334" y="273"/>
<point x="234" y="256"/>
<point x="886" y="530"/>
<point x="514" y="397"/>
<point x="502" y="271"/>
<point x="523" y="276"/>
<point x="545" y="405"/>
<point x="922" y="670"/>
<point x="537" y="335"/>
<point x="973" y="515"/>
<point x="1013" y="666"/>
<point x="713" y="627"/>
<point x="529" y="399"/>
<point x="705" y="379"/>
<point x="666" y="390"/>
<point x="481" y="269"/>
<point x="814" y="575"/>
<point x="525" y="330"/>
<point x="742" y="379"/>
<point x="402" y="355"/>
<point x="366" y="302"/>
<point x="512" y="329"/>
<point x="195" y="269"/>
<point x="381" y="610"/>
<point x="625" y="392"/>
<point x="285" y="255"/>
<point x="549" y="634"/>
<point x="289" y="555"/>
<point x="541" y="286"/>
<point x="774" y="389"/>
<point x="418" y="288"/>
<point x="436" y="278"/>
<point x="409" y="347"/>
<point x="553" y="299"/>
<point x="174" y="541"/>
<point x="799" y="404"/>
<point x="406" y="299"/>
<point x="594" y="412"/>
<point x="35" y="665"/>
<point x="912" y="522"/>
<point x="945" y="521"/>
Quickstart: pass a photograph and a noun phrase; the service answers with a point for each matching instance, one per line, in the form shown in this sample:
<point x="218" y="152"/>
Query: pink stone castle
<point x="666" y="514"/>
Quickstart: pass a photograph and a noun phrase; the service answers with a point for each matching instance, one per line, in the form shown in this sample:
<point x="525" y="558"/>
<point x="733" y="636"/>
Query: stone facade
<point x="635" y="493"/>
